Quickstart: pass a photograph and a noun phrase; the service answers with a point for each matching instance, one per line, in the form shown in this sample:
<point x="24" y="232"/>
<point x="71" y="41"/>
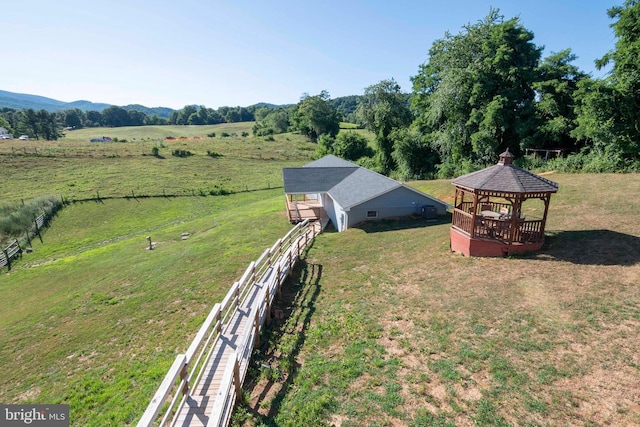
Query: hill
<point x="20" y="101"/>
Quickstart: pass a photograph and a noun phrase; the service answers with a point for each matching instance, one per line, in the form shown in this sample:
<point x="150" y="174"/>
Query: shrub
<point x="155" y="151"/>
<point x="211" y="135"/>
<point x="213" y="154"/>
<point x="219" y="191"/>
<point x="225" y="135"/>
<point x="181" y="153"/>
<point x="245" y="134"/>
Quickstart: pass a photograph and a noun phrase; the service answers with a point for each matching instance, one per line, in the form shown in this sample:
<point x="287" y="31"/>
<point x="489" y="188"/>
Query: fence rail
<point x="8" y="253"/>
<point x="251" y="297"/>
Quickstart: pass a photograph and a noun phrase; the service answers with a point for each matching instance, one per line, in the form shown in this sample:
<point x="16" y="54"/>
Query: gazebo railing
<point x="498" y="229"/>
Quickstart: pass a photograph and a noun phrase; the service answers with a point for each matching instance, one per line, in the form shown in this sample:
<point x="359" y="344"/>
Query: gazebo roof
<point x="506" y="177"/>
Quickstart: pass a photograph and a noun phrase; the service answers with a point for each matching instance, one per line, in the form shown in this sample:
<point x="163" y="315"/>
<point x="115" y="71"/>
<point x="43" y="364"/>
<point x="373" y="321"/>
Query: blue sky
<point x="224" y="52"/>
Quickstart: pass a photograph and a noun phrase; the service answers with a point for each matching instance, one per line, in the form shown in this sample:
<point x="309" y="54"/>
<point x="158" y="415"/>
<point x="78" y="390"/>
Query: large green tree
<point x="556" y="86"/>
<point x="383" y="108"/>
<point x="315" y="116"/>
<point x="608" y="109"/>
<point x="474" y="96"/>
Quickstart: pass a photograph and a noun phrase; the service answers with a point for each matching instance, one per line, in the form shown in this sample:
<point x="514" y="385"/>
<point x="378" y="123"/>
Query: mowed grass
<point x="74" y="168"/>
<point x="387" y="327"/>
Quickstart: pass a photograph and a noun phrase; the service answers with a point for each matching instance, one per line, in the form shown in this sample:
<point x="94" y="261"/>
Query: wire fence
<point x="216" y="190"/>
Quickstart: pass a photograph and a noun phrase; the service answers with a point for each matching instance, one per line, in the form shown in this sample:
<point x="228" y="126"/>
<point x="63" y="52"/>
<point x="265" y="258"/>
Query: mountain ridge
<point x="21" y="101"/>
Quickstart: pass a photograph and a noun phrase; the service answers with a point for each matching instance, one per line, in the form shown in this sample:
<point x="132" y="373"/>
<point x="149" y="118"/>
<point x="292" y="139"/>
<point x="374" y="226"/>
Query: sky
<point x="240" y="52"/>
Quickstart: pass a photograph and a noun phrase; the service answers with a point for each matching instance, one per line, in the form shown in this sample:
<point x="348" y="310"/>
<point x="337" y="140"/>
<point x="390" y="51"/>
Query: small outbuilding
<point x="334" y="189"/>
<point x="500" y="210"/>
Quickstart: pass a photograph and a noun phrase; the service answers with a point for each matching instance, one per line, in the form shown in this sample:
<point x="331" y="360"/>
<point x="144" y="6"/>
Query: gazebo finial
<point x="506" y="158"/>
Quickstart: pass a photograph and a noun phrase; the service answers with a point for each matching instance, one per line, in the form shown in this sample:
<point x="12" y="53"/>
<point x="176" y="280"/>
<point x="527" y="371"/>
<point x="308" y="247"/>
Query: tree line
<point x="42" y="124"/>
<point x="483" y="91"/>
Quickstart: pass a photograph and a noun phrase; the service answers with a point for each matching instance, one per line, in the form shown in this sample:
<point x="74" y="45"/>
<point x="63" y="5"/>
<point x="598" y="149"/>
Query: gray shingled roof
<point x="347" y="183"/>
<point x="506" y="178"/>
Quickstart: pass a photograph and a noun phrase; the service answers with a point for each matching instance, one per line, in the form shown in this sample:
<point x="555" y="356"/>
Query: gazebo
<point x="500" y="210"/>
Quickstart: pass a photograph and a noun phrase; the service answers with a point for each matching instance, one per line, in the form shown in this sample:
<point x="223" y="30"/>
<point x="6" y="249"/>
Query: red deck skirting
<point x="464" y="244"/>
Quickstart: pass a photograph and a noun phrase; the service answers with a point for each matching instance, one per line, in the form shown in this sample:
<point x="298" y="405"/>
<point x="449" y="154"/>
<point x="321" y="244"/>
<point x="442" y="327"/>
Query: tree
<point x="556" y="87"/>
<point x="382" y="109"/>
<point x="184" y="114"/>
<point x="352" y="146"/>
<point x="94" y="118"/>
<point x="474" y="97"/>
<point x="136" y="118"/>
<point x="608" y="110"/>
<point x="115" y="116"/>
<point x="4" y="123"/>
<point x="412" y="152"/>
<point x="315" y="116"/>
<point x="29" y="123"/>
<point x="74" y="118"/>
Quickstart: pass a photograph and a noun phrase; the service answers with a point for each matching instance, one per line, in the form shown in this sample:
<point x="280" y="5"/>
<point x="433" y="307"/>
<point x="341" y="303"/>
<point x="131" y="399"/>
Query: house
<point x="346" y="194"/>
<point x="4" y="134"/>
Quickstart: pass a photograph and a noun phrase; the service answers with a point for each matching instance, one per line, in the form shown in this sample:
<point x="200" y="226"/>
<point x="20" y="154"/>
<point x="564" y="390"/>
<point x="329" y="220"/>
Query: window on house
<point x="372" y="214"/>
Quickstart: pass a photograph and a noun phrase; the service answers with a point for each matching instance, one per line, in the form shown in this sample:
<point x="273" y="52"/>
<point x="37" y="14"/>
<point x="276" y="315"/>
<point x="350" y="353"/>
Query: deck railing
<point x="270" y="270"/>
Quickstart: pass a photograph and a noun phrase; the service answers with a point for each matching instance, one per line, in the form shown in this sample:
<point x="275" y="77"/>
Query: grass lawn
<point x="384" y="326"/>
<point x="387" y="327"/>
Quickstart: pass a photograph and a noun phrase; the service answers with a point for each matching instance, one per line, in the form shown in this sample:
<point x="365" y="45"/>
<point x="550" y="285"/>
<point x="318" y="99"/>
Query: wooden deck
<point x="299" y="210"/>
<point x="201" y="400"/>
<point x="203" y="385"/>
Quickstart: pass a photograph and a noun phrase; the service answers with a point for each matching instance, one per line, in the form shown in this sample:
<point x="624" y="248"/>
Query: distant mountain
<point x="85" y="106"/>
<point x="21" y="101"/>
<point x="162" y="112"/>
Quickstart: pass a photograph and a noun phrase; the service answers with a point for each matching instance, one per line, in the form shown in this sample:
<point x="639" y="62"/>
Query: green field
<point x="75" y="169"/>
<point x="384" y="326"/>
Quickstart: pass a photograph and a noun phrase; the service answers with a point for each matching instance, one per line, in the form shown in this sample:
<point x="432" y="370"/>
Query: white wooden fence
<point x="253" y="293"/>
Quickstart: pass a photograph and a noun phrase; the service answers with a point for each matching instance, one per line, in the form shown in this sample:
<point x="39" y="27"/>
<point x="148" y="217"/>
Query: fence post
<point x="35" y="221"/>
<point x="256" y="325"/>
<point x="6" y="255"/>
<point x="267" y="309"/>
<point x="236" y="380"/>
<point x="184" y="376"/>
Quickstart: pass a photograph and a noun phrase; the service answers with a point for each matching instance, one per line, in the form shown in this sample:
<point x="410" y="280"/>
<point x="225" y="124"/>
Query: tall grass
<point x="18" y="219"/>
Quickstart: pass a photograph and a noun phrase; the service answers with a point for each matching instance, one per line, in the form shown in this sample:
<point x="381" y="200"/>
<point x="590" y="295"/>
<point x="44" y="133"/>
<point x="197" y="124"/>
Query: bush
<point x="225" y="135"/>
<point x="219" y="191"/>
<point x="211" y="135"/>
<point x="181" y="153"/>
<point x="213" y="154"/>
<point x="155" y="151"/>
<point x="245" y="134"/>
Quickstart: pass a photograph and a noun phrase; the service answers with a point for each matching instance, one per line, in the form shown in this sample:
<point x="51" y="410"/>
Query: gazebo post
<point x="546" y="200"/>
<point x="474" y="211"/>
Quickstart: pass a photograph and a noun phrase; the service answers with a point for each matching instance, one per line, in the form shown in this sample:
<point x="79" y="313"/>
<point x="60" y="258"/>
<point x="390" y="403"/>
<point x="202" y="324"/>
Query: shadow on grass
<point x="591" y="247"/>
<point x="294" y="310"/>
<point x="401" y="223"/>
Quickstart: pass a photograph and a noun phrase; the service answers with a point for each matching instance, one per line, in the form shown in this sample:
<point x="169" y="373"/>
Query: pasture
<point x="76" y="169"/>
<point x="384" y="326"/>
